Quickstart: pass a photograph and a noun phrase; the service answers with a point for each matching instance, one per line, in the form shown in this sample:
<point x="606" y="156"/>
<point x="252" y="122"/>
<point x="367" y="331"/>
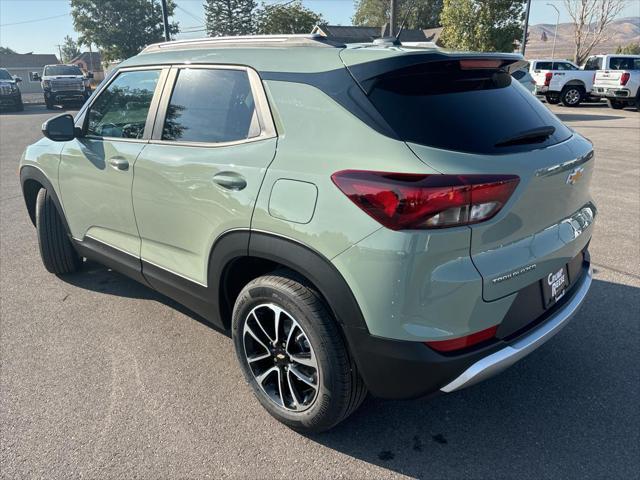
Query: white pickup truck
<point x="562" y="81"/>
<point x="619" y="83"/>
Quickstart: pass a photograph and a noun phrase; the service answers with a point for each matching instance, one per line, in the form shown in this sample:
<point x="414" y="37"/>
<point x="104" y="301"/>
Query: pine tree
<point x="229" y="17"/>
<point x="69" y="49"/>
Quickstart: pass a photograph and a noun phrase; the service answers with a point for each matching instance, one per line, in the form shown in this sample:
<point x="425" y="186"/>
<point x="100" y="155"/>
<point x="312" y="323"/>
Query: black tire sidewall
<point x="553" y="99"/>
<point x="322" y="414"/>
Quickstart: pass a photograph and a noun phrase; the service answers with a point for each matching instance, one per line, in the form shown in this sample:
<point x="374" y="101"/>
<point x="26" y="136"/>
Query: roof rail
<point x="307" y="40"/>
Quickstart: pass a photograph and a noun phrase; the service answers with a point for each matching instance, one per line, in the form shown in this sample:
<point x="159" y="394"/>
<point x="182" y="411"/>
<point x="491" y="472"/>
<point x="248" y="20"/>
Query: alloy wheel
<point x="280" y="357"/>
<point x="572" y="96"/>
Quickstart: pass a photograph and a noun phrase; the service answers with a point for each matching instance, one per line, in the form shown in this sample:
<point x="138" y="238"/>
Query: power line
<point x="34" y="20"/>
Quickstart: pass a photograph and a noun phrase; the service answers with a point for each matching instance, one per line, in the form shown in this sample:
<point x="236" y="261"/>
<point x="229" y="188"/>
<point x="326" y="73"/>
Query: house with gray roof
<point x="24" y="64"/>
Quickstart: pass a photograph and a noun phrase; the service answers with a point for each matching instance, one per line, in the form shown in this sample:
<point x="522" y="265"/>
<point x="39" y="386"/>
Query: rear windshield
<point x="453" y="107"/>
<point x="624" y="63"/>
<point x="62" y="70"/>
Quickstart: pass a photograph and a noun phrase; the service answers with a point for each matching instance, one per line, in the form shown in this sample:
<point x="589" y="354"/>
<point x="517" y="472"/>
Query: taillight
<point x="463" y="342"/>
<point x="624" y="78"/>
<point x="401" y="201"/>
<point x="547" y="78"/>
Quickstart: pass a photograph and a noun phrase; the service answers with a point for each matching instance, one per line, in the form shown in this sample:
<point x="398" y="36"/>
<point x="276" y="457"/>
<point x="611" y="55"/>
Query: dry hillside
<point x="621" y="32"/>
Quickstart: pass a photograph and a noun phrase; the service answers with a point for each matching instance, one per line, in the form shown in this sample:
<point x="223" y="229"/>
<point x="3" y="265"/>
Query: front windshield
<point x="4" y="75"/>
<point x="62" y="70"/>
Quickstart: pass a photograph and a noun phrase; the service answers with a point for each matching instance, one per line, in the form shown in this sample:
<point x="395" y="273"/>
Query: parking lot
<point x="103" y="378"/>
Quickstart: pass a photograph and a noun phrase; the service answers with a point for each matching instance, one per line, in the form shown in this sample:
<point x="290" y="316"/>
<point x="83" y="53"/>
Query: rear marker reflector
<point x="463" y="342"/>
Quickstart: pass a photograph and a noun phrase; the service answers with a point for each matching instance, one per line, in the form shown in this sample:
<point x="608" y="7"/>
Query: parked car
<point x="10" y="95"/>
<point x="561" y="81"/>
<point x="620" y="83"/>
<point x="64" y="84"/>
<point x="361" y="219"/>
<point x="525" y="78"/>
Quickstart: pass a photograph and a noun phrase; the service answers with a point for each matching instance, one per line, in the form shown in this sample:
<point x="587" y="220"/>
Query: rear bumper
<point x="608" y="92"/>
<point x="401" y="369"/>
<point x="507" y="356"/>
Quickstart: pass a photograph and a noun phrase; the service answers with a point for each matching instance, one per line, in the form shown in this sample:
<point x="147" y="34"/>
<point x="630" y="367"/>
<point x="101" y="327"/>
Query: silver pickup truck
<point x="620" y="83"/>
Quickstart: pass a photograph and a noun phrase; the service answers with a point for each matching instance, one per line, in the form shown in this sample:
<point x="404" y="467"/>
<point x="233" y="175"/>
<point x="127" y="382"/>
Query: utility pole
<point x="526" y="27"/>
<point x="165" y="21"/>
<point x="60" y="52"/>
<point x="553" y="50"/>
<point x="393" y="16"/>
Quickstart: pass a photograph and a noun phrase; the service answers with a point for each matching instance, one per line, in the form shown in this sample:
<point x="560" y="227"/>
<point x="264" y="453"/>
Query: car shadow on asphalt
<point x="98" y="278"/>
<point x="567" y="408"/>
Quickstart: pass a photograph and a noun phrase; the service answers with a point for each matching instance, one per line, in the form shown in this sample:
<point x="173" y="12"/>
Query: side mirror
<point x="18" y="79"/>
<point x="89" y="74"/>
<point x="36" y="76"/>
<point x="60" y="128"/>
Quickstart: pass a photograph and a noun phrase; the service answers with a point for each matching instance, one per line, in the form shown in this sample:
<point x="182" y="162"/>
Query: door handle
<point x="230" y="180"/>
<point x="119" y="163"/>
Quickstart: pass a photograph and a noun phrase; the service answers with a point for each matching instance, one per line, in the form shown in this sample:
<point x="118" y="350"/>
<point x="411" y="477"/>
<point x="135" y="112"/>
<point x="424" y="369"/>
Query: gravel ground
<point x="103" y="378"/>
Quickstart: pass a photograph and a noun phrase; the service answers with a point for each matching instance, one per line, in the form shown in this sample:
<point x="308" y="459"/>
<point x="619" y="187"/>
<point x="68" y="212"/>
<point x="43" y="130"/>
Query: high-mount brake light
<point x="547" y="78"/>
<point x="405" y="201"/>
<point x="479" y="63"/>
<point x="624" y="78"/>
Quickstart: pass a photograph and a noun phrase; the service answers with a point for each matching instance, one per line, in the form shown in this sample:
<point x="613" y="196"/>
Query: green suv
<point x="361" y="218"/>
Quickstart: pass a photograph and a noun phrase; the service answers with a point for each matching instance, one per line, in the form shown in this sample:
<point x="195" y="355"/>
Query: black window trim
<point x="82" y="119"/>
<point x="265" y="118"/>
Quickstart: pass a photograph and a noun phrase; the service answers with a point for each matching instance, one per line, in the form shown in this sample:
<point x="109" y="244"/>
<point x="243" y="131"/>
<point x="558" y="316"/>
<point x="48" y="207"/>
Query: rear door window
<point x="211" y="106"/>
<point x="544" y="66"/>
<point x="564" y="66"/>
<point x="476" y="110"/>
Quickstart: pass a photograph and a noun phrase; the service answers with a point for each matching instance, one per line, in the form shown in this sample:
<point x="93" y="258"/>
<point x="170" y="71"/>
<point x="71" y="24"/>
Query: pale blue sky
<point x="43" y="36"/>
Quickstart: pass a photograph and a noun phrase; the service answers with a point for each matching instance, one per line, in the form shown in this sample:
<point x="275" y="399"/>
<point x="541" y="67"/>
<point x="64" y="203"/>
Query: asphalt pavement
<point x="103" y="378"/>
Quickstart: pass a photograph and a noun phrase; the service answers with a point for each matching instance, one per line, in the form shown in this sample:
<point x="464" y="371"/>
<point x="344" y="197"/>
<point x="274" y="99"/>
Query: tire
<point x="48" y="104"/>
<point x="308" y="333"/>
<point x="615" y="104"/>
<point x="572" y="95"/>
<point x="552" y="99"/>
<point x="56" y="250"/>
<point x="20" y="106"/>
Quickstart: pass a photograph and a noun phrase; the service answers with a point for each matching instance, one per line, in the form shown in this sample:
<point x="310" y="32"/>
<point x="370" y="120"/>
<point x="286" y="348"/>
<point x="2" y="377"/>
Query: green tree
<point x="419" y="13"/>
<point x="229" y="17"/>
<point x="6" y="50"/>
<point x="482" y="25"/>
<point x="629" y="49"/>
<point x="69" y="49"/>
<point x="120" y="28"/>
<point x="286" y="18"/>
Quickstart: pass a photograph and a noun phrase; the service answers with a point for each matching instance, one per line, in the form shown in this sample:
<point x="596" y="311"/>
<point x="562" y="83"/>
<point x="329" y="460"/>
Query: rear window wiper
<point x="535" y="135"/>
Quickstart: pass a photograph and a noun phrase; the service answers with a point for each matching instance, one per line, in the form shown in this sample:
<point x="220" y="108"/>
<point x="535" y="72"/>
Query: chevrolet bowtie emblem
<point x="575" y="176"/>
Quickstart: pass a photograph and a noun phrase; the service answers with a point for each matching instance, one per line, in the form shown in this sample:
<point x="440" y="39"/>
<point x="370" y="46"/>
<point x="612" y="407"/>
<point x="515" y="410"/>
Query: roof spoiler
<point x="366" y="73"/>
